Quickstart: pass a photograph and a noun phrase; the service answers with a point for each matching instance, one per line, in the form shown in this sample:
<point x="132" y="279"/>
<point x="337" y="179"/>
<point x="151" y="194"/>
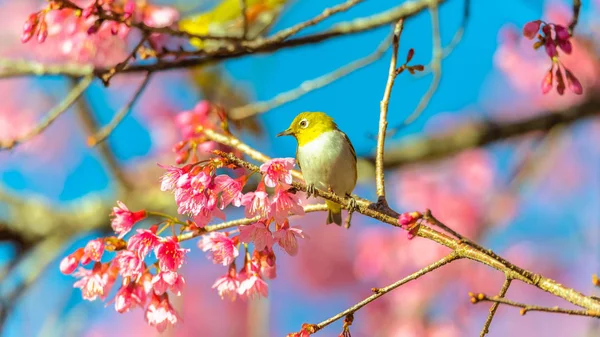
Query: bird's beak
<point x="285" y="133"/>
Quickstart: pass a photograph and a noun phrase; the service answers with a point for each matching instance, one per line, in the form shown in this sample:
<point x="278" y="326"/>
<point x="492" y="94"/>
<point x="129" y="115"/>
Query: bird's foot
<point x="310" y="190"/>
<point x="352" y="207"/>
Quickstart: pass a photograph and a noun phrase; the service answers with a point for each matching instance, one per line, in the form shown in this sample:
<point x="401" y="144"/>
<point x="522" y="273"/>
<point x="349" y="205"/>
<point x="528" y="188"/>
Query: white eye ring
<point x="304" y="123"/>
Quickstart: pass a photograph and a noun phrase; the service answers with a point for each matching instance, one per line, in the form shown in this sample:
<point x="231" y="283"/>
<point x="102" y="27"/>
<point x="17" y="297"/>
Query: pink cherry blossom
<point x="169" y="179"/>
<point x="129" y="297"/>
<point x="123" y="219"/>
<point x="253" y="285"/>
<point x="93" y="251"/>
<point x="197" y="196"/>
<point x="231" y="189"/>
<point x="285" y="203"/>
<point x="265" y="261"/>
<point x="228" y="285"/>
<point x="130" y="264"/>
<point x="143" y="242"/>
<point x="287" y="236"/>
<point x="94" y="283"/>
<point x="278" y="170"/>
<point x="223" y="248"/>
<point x="160" y="313"/>
<point x="257" y="233"/>
<point x="189" y="121"/>
<point x="257" y="204"/>
<point x="169" y="254"/>
<point x="168" y="280"/>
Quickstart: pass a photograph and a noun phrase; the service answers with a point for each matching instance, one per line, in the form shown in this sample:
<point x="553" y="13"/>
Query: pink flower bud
<point x="547" y="81"/>
<point x="31" y="23"/>
<point x="573" y="82"/>
<point x="70" y="262"/>
<point x="88" y="11"/>
<point x="531" y="29"/>
<point x="560" y="87"/>
<point x="114" y="28"/>
<point x="561" y="33"/>
<point x="26" y="36"/>
<point x="565" y="45"/>
<point x="128" y="9"/>
<point x="550" y="47"/>
<point x="406" y="219"/>
<point x="182" y="157"/>
<point x="42" y="32"/>
<point x="93" y="29"/>
<point x="409" y="56"/>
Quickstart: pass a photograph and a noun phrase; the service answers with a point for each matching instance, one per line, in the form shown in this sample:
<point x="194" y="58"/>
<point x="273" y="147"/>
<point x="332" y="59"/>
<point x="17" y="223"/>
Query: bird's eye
<point x="303" y="123"/>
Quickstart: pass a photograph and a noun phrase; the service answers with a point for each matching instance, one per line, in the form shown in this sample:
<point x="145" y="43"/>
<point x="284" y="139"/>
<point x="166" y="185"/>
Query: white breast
<point x="328" y="162"/>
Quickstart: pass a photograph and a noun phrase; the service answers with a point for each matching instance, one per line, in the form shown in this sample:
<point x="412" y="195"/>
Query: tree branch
<point x="378" y="292"/>
<point x="240" y="222"/>
<point x="52" y="115"/>
<point x="484" y="133"/>
<point x="525" y="307"/>
<point x="244" y="48"/>
<point x="90" y="125"/>
<point x="103" y="133"/>
<point x="494" y="308"/>
<point x="437" y="54"/>
<point x="307" y="86"/>
<point x="575" y="19"/>
<point x="383" y="110"/>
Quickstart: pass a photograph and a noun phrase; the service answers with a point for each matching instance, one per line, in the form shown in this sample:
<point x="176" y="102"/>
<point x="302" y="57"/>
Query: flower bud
<point x="573" y="82"/>
<point x="531" y="28"/>
<point x="547" y="82"/>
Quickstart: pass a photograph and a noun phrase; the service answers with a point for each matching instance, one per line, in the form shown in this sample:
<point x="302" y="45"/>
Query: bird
<point x="226" y="19"/>
<point x="326" y="158"/>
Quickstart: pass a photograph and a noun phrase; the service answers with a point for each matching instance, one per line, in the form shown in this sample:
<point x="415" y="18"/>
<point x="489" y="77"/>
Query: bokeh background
<point x="533" y="199"/>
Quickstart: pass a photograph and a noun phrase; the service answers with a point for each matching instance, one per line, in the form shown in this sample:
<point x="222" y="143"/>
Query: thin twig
<point x="436" y="65"/>
<point x="109" y="159"/>
<point x="285" y="33"/>
<point x="575" y="19"/>
<point x="230" y="140"/>
<point x="121" y="65"/>
<point x="494" y="308"/>
<point x="52" y="115"/>
<point x="103" y="133"/>
<point x="378" y="292"/>
<point x="458" y="35"/>
<point x="307" y="86"/>
<point x="244" y="14"/>
<point x="525" y="307"/>
<point x="240" y="222"/>
<point x="383" y="110"/>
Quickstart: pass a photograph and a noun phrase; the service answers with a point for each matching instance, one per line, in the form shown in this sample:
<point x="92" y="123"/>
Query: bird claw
<point x="310" y="190"/>
<point x="352" y="207"/>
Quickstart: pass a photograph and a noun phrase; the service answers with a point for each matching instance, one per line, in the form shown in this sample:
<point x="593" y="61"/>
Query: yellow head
<point x="309" y="125"/>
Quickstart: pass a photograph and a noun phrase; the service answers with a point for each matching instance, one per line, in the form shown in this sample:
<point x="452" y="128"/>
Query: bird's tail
<point x="334" y="215"/>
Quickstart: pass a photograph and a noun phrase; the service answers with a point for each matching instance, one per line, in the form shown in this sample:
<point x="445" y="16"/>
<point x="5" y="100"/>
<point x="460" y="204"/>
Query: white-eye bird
<point x="326" y="157"/>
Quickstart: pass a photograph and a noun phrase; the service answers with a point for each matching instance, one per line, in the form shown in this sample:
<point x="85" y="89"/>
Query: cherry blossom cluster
<point x="87" y="28"/>
<point x="191" y="123"/>
<point x="202" y="194"/>
<point x="149" y="262"/>
<point x="554" y="37"/>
